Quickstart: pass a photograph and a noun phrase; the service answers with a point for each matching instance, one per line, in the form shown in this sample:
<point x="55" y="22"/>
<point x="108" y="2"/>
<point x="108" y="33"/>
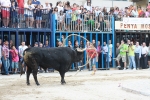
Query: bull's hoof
<point x="62" y="83"/>
<point x="28" y="84"/>
<point x="37" y="84"/>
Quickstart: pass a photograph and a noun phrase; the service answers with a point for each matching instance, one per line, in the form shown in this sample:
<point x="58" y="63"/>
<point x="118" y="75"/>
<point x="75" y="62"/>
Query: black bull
<point x="59" y="58"/>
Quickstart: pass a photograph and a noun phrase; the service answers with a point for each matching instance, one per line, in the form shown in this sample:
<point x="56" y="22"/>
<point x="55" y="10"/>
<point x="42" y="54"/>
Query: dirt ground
<point x="105" y="85"/>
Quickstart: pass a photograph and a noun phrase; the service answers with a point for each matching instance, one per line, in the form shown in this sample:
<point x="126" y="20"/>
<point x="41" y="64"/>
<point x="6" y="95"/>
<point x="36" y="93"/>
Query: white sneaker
<point x="125" y="69"/>
<point x="119" y="66"/>
<point x="97" y="30"/>
<point x="134" y="68"/>
<point x="129" y="69"/>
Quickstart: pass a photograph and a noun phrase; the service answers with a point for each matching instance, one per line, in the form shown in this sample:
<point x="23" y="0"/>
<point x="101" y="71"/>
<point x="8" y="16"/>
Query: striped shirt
<point x="5" y="50"/>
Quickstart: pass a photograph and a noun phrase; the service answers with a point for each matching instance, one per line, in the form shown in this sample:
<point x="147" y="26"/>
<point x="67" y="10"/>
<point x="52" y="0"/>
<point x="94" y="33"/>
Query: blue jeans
<point x="92" y="63"/>
<point x="132" y="62"/>
<point x="10" y="61"/>
<point x="6" y="64"/>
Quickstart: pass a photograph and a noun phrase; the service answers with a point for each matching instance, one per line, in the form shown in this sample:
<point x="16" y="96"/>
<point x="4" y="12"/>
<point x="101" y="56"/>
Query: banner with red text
<point x="120" y="25"/>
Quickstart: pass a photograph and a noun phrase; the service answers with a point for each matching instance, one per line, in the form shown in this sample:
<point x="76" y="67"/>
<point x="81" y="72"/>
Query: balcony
<point x="41" y="19"/>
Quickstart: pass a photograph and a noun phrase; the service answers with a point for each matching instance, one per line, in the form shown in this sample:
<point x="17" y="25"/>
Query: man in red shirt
<point x="92" y="54"/>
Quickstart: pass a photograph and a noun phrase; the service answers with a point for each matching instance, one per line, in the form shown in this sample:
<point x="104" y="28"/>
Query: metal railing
<point x="83" y="22"/>
<point x="42" y="18"/>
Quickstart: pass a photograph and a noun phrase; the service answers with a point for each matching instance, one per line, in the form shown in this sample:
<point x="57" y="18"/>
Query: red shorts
<point x="21" y="11"/>
<point x="5" y="14"/>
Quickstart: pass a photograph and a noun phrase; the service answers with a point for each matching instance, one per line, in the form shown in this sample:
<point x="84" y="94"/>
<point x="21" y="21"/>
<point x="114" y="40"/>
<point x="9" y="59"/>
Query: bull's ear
<point x="81" y="50"/>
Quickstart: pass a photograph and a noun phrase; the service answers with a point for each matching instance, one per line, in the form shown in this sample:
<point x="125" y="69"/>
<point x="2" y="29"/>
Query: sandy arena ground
<point x="102" y="86"/>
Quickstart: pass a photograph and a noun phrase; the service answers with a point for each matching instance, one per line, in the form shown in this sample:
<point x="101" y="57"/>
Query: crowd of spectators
<point x="10" y="56"/>
<point x="133" y="55"/>
<point x="67" y="17"/>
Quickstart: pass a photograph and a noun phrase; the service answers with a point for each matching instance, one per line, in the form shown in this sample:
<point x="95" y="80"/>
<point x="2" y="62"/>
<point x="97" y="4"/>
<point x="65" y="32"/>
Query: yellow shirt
<point x="131" y="51"/>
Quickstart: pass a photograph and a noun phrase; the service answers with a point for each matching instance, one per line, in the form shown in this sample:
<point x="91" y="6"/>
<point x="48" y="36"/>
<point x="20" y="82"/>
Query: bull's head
<point x="79" y="54"/>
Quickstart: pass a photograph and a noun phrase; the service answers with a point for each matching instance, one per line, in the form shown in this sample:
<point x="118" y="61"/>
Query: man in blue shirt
<point x="137" y="54"/>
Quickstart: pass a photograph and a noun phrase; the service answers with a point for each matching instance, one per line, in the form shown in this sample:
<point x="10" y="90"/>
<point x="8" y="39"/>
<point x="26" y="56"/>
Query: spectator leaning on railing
<point x="14" y="15"/>
<point x="29" y="13"/>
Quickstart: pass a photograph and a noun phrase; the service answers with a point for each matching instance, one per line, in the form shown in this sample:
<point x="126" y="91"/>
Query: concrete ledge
<point x="140" y="87"/>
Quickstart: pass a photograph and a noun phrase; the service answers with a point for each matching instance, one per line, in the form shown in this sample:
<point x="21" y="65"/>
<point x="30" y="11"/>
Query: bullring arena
<point x="104" y="85"/>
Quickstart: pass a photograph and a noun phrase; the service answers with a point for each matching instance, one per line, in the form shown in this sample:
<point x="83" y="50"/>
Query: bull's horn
<point x="81" y="50"/>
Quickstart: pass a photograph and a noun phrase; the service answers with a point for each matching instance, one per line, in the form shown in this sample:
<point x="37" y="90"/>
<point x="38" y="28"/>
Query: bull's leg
<point x="62" y="74"/>
<point x="29" y="70"/>
<point x="35" y="76"/>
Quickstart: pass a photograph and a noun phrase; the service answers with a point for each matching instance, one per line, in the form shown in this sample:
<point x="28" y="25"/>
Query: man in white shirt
<point x="22" y="47"/>
<point x="110" y="48"/>
<point x="137" y="54"/>
<point x="105" y="52"/>
<point x="110" y="51"/>
<point x="5" y="6"/>
<point x="135" y="12"/>
<point x="144" y="52"/>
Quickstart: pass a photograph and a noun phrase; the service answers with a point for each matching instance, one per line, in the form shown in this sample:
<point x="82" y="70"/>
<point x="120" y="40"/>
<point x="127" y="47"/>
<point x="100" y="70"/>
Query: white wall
<point x="120" y="4"/>
<point x="100" y="3"/>
<point x="80" y="2"/>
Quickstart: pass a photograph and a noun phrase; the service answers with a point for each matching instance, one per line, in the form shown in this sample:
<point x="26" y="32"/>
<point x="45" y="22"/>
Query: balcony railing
<point x="25" y="18"/>
<point x="41" y="18"/>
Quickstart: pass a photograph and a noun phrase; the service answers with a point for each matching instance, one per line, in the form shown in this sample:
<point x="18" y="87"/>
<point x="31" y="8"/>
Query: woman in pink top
<point x="15" y="58"/>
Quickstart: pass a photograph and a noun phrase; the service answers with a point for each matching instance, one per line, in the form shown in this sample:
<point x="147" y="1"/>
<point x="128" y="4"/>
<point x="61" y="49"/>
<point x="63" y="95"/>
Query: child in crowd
<point x="55" y="12"/>
<point x="15" y="59"/>
<point x="61" y="20"/>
